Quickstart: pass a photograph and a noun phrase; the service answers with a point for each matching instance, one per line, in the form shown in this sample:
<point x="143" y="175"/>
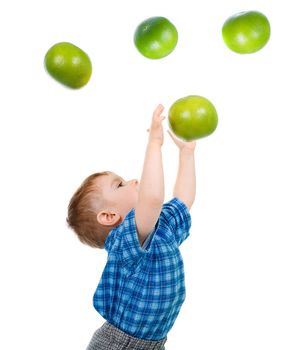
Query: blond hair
<point x="82" y="213"/>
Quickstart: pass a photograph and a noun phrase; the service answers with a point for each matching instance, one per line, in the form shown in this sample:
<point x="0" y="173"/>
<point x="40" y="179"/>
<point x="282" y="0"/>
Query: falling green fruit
<point x="192" y="117"/>
<point x="68" y="64"/>
<point x="156" y="37"/>
<point x="246" y="32"/>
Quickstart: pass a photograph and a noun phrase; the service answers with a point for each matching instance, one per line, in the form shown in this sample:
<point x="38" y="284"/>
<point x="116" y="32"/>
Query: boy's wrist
<point x="155" y="142"/>
<point x="187" y="151"/>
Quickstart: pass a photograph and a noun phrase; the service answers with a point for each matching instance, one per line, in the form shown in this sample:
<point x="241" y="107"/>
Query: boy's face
<point x="119" y="195"/>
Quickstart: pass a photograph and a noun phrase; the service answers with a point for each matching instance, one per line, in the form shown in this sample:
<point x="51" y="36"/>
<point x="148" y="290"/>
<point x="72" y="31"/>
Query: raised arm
<point x="151" y="188"/>
<point x="185" y="185"/>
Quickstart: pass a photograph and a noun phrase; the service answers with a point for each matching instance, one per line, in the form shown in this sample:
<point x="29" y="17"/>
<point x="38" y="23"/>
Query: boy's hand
<point x="182" y="144"/>
<point x="156" y="129"/>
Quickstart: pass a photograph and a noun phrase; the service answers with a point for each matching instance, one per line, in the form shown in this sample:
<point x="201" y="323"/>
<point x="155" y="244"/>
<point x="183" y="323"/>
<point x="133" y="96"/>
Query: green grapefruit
<point x="156" y="37"/>
<point x="246" y="32"/>
<point x="192" y="117"/>
<point x="68" y="64"/>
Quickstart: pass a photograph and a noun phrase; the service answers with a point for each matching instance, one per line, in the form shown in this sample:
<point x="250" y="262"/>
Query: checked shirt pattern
<point x="142" y="289"/>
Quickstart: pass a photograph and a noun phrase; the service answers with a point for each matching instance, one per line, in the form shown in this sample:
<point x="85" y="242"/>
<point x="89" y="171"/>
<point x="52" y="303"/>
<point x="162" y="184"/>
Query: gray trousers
<point x="109" y="337"/>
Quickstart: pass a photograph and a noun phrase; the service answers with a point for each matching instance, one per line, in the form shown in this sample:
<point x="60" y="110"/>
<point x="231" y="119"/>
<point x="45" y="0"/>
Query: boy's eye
<point x="120" y="184"/>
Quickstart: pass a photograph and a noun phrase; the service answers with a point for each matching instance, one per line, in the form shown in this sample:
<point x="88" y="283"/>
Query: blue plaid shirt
<point x="142" y="289"/>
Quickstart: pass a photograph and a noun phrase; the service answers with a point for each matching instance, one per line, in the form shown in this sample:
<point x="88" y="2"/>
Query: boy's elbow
<point x="155" y="201"/>
<point x="187" y="201"/>
<point x="152" y="199"/>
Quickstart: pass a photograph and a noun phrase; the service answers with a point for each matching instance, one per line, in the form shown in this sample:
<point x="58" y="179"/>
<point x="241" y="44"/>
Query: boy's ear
<point x="108" y="218"/>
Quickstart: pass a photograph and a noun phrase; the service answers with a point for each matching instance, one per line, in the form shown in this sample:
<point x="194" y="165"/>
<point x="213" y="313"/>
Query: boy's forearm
<point x="185" y="186"/>
<point x="152" y="180"/>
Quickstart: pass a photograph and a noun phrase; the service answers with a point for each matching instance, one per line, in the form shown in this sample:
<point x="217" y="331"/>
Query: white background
<point x="240" y="258"/>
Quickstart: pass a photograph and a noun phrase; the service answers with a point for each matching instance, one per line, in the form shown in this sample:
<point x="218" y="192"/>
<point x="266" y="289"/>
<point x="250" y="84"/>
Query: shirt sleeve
<point x="176" y="215"/>
<point x="123" y="243"/>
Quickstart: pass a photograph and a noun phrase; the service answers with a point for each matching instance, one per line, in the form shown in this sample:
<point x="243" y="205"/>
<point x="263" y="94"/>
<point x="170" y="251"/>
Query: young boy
<point x="142" y="286"/>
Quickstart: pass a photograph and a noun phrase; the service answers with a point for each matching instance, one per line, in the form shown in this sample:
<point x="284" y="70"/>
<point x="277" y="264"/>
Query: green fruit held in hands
<point x="156" y="37"/>
<point x="192" y="117"/>
<point x="246" y="32"/>
<point x="68" y="64"/>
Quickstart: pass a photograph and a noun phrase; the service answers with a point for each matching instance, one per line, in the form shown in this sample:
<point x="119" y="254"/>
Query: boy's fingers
<point x="171" y="134"/>
<point x="174" y="137"/>
<point x="158" y="110"/>
<point x="157" y="120"/>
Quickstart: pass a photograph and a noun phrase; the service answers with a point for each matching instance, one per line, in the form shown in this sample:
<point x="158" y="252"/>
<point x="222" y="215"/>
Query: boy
<point x="142" y="286"/>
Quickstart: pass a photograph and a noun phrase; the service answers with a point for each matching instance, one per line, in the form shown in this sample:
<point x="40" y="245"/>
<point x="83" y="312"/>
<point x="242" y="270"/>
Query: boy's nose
<point x="134" y="182"/>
